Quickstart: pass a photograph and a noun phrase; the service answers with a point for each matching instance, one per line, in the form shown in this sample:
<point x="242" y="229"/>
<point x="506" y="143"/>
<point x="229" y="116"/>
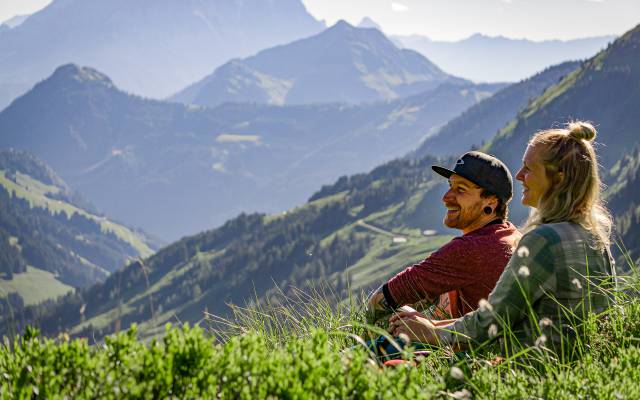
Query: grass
<point x="306" y="346"/>
<point x="34" y="285"/>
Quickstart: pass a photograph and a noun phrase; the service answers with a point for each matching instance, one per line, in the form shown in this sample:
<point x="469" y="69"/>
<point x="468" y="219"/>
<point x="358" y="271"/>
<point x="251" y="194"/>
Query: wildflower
<point x="576" y="283"/>
<point x="404" y="338"/>
<point x="456" y="373"/>
<point x="544" y="322"/>
<point x="541" y="340"/>
<point x="484" y="305"/>
<point x="463" y="394"/>
<point x="523" y="252"/>
<point x="524" y="271"/>
<point x="493" y="330"/>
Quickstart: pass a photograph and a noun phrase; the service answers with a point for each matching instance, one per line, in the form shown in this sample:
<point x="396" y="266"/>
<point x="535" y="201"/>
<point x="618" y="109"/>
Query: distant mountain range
<point x="345" y="235"/>
<point x="149" y="47"/>
<point x="482" y="121"/>
<point x="51" y="239"/>
<point x="484" y="58"/>
<point x="174" y="169"/>
<point x="341" y="64"/>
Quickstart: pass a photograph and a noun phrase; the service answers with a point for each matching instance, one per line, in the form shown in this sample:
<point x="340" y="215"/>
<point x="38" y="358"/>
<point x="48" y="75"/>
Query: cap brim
<point x="442" y="171"/>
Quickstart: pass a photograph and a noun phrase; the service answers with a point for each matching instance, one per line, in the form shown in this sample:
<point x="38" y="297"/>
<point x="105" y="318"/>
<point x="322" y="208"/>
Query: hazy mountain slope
<point x="482" y="121"/>
<point x="47" y="236"/>
<point x="499" y="59"/>
<point x="340" y="64"/>
<point x="173" y="169"/>
<point x="605" y="90"/>
<point x="149" y="47"/>
<point x="623" y="197"/>
<point x="344" y="234"/>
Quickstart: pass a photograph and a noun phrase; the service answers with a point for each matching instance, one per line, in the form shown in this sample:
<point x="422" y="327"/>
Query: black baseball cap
<point x="484" y="170"/>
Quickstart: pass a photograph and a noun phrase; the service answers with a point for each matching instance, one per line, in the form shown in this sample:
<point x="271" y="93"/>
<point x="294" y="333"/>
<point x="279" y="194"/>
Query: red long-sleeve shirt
<point x="467" y="269"/>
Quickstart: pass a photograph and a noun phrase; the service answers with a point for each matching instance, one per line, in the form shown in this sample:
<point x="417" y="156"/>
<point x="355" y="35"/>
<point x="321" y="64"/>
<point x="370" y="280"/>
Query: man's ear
<point x="492" y="202"/>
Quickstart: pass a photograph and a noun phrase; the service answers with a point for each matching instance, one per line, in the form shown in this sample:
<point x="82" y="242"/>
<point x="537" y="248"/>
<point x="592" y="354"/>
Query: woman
<point x="562" y="266"/>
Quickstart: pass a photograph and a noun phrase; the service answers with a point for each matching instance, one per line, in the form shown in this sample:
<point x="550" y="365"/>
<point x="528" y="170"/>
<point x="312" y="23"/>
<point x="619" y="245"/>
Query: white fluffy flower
<point x="523" y="252"/>
<point x="545" y="322"/>
<point x="463" y="394"/>
<point x="576" y="283"/>
<point x="484" y="305"/>
<point x="541" y="340"/>
<point x="456" y="373"/>
<point x="405" y="338"/>
<point x="493" y="330"/>
<point x="524" y="271"/>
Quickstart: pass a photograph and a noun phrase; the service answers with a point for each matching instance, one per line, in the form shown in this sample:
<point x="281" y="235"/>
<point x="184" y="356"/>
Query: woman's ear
<point x="559" y="178"/>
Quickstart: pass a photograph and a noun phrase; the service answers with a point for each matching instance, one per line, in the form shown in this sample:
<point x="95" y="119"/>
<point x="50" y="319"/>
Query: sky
<point x="458" y="19"/>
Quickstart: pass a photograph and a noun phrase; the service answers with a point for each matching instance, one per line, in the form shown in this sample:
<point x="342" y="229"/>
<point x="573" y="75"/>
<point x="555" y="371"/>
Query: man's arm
<point x="443" y="270"/>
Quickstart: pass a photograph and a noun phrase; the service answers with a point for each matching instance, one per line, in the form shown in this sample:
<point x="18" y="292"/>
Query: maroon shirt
<point x="467" y="268"/>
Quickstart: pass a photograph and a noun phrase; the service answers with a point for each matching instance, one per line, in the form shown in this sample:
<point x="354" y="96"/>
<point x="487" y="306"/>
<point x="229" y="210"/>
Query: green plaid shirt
<point x="553" y="280"/>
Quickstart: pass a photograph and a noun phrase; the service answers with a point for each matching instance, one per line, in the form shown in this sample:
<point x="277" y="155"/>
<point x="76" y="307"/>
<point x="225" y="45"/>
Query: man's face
<point x="464" y="203"/>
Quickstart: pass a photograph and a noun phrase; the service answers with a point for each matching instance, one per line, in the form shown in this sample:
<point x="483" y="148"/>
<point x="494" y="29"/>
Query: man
<point x="465" y="270"/>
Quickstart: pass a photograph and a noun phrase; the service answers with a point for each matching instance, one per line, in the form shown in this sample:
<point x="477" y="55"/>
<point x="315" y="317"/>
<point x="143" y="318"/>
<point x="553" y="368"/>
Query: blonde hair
<point x="577" y="196"/>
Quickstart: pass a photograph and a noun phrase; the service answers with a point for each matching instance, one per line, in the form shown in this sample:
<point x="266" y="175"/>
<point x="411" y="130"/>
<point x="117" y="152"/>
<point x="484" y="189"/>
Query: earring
<point x="488" y="210"/>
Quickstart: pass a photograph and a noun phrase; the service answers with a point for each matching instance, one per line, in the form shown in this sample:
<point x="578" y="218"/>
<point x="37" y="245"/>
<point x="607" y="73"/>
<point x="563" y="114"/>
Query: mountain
<point x="498" y="59"/>
<point x="52" y="240"/>
<point x="149" y="47"/>
<point x="367" y="22"/>
<point x="340" y="64"/>
<point x="357" y="231"/>
<point x="482" y="121"/>
<point x="174" y="169"/>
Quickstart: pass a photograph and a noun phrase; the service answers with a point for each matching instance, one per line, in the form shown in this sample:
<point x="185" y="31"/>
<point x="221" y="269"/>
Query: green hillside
<point x="605" y="90"/>
<point x="482" y="121"/>
<point x="623" y="196"/>
<point x="51" y="240"/>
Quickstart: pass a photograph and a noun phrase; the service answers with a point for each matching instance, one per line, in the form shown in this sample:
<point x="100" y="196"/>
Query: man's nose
<point x="448" y="194"/>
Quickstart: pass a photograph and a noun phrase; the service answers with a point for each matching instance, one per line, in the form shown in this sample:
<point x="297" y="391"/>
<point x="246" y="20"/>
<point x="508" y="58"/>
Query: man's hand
<point x="416" y="326"/>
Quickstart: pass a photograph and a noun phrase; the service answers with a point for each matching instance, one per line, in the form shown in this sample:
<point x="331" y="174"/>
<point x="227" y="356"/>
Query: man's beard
<point x="463" y="218"/>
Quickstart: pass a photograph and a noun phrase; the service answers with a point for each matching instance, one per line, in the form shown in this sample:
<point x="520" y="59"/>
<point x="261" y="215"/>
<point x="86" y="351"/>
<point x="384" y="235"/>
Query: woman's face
<point x="533" y="177"/>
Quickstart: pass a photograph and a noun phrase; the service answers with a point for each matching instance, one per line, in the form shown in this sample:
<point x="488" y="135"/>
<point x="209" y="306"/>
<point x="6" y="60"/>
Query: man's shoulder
<point x="494" y="233"/>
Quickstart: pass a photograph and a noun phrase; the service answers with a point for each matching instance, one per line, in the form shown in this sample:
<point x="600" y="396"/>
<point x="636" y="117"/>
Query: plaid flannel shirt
<point x="552" y="281"/>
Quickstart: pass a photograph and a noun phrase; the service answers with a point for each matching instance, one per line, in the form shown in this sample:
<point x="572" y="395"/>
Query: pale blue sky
<point x="457" y="19"/>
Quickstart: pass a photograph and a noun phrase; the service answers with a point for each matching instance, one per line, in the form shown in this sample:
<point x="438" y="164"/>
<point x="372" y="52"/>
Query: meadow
<point x="308" y="345"/>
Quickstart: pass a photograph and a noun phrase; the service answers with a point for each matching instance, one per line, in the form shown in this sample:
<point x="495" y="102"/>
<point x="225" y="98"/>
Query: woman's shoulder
<point x="556" y="233"/>
<point x="560" y="229"/>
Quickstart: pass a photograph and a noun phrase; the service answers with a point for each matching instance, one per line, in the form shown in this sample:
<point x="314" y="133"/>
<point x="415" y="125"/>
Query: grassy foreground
<point x="303" y="348"/>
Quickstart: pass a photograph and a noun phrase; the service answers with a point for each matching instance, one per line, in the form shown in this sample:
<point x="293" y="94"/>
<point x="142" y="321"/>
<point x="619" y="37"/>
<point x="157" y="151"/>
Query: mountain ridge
<point x="115" y="147"/>
<point x="153" y="48"/>
<point x="341" y="64"/>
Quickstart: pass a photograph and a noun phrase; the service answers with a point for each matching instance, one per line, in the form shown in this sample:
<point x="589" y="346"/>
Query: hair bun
<point x="582" y="130"/>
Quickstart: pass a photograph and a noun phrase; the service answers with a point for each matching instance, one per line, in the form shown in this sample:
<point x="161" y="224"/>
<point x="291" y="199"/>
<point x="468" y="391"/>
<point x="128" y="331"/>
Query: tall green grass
<point x="308" y="345"/>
